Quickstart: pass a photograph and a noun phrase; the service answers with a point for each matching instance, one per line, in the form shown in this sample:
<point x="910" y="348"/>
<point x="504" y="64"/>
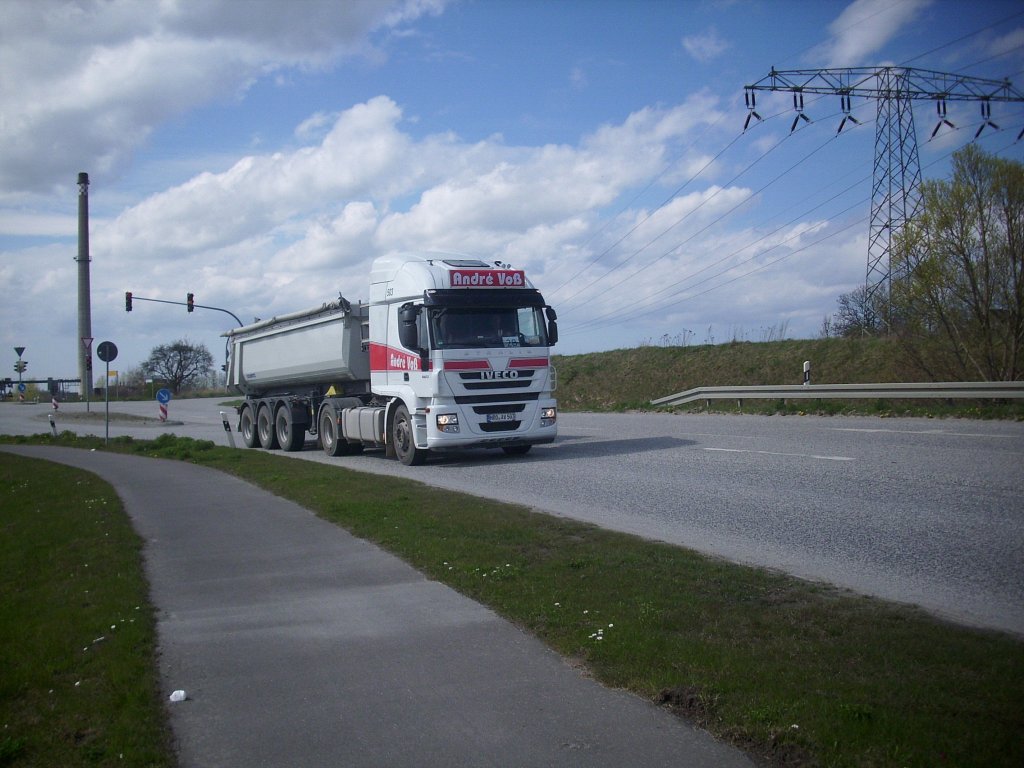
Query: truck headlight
<point x="548" y="416"/>
<point x="448" y="422"/>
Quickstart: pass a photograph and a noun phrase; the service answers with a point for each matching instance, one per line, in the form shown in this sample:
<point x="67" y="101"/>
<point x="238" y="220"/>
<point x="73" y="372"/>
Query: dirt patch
<point x="686" y="702"/>
<point x="100" y="416"/>
<point x="692" y="705"/>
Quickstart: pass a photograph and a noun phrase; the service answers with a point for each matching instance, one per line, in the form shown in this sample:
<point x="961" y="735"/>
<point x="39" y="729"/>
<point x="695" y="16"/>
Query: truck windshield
<point x="464" y="328"/>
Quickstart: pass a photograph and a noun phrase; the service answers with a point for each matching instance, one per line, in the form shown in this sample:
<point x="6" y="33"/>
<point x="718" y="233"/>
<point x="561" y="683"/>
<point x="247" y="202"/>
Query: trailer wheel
<point x="290" y="437"/>
<point x="403" y="439"/>
<point x="247" y="422"/>
<point x="265" y="428"/>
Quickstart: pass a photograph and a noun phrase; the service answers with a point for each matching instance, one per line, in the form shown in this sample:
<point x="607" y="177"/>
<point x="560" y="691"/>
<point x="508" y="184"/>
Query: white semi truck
<point x="449" y="353"/>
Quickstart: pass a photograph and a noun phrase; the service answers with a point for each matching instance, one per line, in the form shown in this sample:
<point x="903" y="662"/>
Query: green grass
<point x="795" y="672"/>
<point x="78" y="682"/>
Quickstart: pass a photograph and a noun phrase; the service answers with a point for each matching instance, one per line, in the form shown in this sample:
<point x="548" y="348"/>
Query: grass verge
<point x="796" y="673"/>
<point x="78" y="681"/>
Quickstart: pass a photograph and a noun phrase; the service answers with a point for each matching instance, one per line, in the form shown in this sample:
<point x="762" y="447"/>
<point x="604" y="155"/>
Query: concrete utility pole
<point x="84" y="293"/>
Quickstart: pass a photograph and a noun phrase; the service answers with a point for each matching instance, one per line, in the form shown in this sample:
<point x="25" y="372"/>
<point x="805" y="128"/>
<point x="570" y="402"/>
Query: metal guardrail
<point x="940" y="390"/>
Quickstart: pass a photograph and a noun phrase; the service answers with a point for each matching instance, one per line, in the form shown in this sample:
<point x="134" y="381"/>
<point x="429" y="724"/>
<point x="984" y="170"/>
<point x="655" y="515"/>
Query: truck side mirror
<point x="552" y="326"/>
<point x="408" y="333"/>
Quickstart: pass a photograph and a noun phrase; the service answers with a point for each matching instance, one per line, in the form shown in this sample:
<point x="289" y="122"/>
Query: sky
<point x="260" y="154"/>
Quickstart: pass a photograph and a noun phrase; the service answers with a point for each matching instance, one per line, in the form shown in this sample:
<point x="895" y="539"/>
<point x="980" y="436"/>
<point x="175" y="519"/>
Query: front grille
<point x="498" y="384"/>
<point x="483" y="410"/>
<point x="499" y="426"/>
<point x="522" y="373"/>
<point x="527" y="397"/>
<point x="476" y="380"/>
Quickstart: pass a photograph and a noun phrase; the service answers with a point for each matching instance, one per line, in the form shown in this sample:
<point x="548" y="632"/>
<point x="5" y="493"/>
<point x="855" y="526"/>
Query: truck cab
<point x="460" y="348"/>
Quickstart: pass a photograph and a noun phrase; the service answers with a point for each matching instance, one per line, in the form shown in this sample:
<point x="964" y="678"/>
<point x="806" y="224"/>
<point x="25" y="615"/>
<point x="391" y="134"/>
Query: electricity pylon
<point x="896" y="178"/>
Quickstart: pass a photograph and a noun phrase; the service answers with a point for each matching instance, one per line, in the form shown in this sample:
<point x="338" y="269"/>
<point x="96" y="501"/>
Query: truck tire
<point x="331" y="441"/>
<point x="403" y="439"/>
<point x="265" y="428"/>
<point x="247" y="426"/>
<point x="289" y="436"/>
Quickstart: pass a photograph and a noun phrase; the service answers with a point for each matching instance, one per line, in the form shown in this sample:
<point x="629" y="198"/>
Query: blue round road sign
<point x="164" y="396"/>
<point x="22" y="387"/>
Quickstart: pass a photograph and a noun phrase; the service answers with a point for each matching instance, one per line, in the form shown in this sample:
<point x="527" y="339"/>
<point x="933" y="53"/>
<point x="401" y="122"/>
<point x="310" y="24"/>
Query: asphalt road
<point x="929" y="512"/>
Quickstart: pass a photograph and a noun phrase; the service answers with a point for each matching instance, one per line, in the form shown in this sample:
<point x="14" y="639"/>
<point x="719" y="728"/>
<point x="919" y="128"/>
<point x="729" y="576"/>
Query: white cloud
<point x="368" y="187"/>
<point x="360" y="155"/>
<point x="864" y="28"/>
<point x="84" y="84"/>
<point x="706" y="46"/>
<point x="299" y="217"/>
<point x="1011" y="42"/>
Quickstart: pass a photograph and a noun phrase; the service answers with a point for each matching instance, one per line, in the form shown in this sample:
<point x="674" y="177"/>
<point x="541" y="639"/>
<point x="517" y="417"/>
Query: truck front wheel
<point x="331" y="441"/>
<point x="403" y="439"/>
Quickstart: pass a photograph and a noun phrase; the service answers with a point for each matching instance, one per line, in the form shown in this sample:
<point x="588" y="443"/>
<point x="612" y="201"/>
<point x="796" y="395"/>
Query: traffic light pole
<point x="129" y="297"/>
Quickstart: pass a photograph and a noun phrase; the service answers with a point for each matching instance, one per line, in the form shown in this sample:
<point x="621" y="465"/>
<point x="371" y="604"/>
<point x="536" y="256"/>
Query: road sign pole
<point x="107" y="352"/>
<point x="106" y="398"/>
<point x="163" y="397"/>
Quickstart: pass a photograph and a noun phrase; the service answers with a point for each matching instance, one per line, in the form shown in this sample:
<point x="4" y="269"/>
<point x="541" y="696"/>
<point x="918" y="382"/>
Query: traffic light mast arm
<point x="185" y="304"/>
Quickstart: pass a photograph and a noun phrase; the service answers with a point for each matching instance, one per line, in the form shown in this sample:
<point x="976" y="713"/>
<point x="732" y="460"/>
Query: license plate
<point x="501" y="417"/>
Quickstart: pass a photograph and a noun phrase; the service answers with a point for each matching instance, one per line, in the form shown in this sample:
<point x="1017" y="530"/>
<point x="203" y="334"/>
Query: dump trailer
<point x="449" y="353"/>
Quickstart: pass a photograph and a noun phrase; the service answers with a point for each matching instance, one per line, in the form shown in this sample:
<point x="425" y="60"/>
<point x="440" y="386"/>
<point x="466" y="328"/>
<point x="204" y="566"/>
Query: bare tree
<point x="179" y="363"/>
<point x="859" y="314"/>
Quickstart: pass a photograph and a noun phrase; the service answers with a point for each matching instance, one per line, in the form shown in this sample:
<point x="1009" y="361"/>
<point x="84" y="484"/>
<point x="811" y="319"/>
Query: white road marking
<point x="914" y="431"/>
<point x="775" y="453"/>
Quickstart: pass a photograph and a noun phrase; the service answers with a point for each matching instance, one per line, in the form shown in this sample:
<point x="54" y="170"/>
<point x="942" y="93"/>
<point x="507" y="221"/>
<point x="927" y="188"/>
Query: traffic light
<point x="20" y="366"/>
<point x="191" y="302"/>
<point x="127" y="301"/>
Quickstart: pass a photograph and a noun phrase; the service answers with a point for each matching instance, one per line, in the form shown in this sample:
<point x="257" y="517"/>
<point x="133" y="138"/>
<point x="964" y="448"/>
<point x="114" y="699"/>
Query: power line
<point x="895" y="196"/>
<point x="718" y="219"/>
<point x="960" y="39"/>
<point x="631" y="314"/>
<point x="677" y="222"/>
<point x="617" y="273"/>
<point x="640" y="194"/>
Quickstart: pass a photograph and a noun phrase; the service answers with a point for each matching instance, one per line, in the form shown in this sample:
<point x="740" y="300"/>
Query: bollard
<point x="807" y="372"/>
<point x="53" y="425"/>
<point x="227" y="428"/>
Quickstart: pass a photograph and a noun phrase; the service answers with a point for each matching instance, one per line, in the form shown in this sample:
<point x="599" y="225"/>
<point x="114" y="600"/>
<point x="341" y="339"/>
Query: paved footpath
<point x="301" y="645"/>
